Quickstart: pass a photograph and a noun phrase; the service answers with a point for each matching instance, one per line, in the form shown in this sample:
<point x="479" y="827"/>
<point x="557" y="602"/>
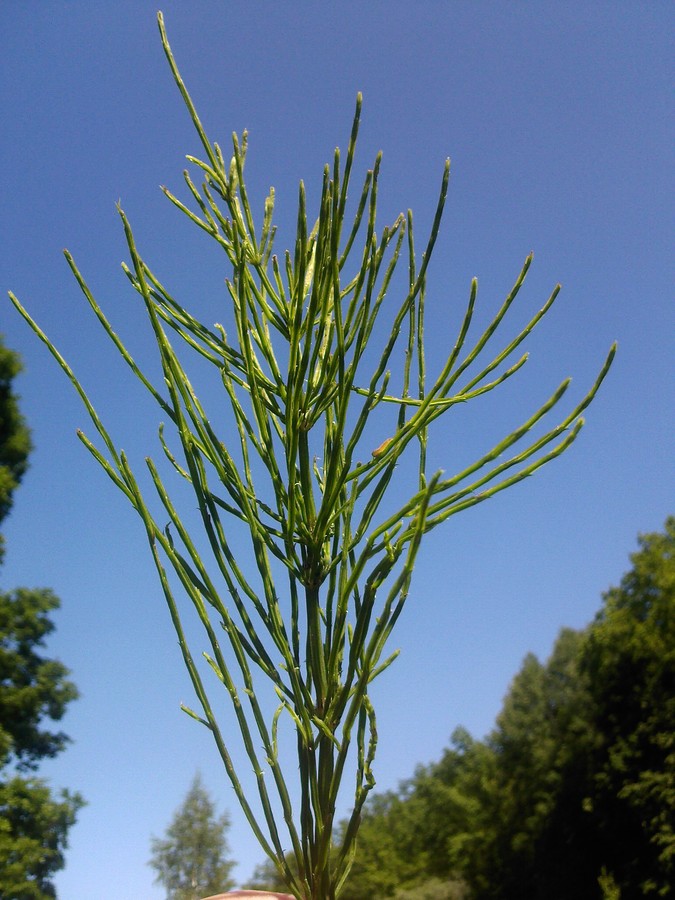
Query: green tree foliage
<point x="573" y="792"/>
<point x="629" y="658"/>
<point x="541" y="843"/>
<point x="34" y="826"/>
<point x="267" y="876"/>
<point x="488" y="809"/>
<point x="409" y="841"/>
<point x="392" y="849"/>
<point x="461" y="789"/>
<point x="434" y="889"/>
<point x="192" y="860"/>
<point x="34" y="822"/>
<point x="14" y="434"/>
<point x="33" y="687"/>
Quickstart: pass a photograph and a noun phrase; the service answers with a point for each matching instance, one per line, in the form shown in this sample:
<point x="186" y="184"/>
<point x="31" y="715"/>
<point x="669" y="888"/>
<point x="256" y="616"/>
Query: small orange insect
<point x="382" y="449"/>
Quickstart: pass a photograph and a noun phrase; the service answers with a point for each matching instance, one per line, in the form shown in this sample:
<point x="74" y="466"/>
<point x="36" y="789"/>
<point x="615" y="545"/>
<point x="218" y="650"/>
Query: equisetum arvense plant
<point x="306" y="367"/>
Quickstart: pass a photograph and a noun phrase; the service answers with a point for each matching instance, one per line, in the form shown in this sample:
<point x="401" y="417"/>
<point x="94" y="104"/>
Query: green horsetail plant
<point x="305" y="372"/>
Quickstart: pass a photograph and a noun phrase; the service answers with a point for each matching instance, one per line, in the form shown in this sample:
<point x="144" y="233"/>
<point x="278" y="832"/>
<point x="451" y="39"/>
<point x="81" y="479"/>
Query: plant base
<point x="260" y="895"/>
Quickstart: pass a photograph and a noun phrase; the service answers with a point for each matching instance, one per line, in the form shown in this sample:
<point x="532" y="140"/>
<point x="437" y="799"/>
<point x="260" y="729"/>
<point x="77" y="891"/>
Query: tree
<point x="503" y="817"/>
<point x="629" y="659"/>
<point x="573" y="792"/>
<point x="14" y="433"/>
<point x="585" y="746"/>
<point x="32" y="687"/>
<point x="418" y="839"/>
<point x="34" y="827"/>
<point x="34" y="822"/>
<point x="494" y="813"/>
<point x="434" y="889"/>
<point x="267" y="877"/>
<point x="192" y="861"/>
<point x="541" y="843"/>
<point x="391" y="850"/>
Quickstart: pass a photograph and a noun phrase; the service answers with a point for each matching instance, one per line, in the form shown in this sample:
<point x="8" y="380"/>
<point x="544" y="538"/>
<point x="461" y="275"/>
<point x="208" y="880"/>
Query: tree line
<point x="572" y="794"/>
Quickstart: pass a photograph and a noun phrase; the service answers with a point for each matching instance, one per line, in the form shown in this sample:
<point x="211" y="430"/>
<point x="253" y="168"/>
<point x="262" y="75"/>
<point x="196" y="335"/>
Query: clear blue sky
<point x="558" y="119"/>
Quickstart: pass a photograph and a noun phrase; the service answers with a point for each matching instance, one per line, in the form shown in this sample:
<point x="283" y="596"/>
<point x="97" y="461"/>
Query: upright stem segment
<point x="310" y="370"/>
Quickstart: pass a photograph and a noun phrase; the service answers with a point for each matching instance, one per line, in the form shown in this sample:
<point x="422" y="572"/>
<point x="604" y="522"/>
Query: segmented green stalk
<point x="296" y="471"/>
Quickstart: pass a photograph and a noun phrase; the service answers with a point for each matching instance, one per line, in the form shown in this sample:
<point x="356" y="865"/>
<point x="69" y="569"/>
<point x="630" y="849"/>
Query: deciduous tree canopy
<point x="33" y="687"/>
<point x="14" y="434"/>
<point x="629" y="660"/>
<point x="34" y="822"/>
<point x="573" y="792"/>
